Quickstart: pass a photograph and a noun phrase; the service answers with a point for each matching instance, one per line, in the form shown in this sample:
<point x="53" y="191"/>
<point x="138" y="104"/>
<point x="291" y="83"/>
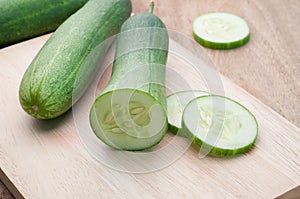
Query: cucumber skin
<point x="24" y="19"/>
<point x="49" y="81"/>
<point x="124" y="63"/>
<point x="216" y="151"/>
<point x="146" y="56"/>
<point x="221" y="46"/>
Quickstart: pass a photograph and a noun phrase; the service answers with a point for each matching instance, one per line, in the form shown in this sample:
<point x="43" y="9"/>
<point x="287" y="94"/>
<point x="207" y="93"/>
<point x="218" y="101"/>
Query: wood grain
<point x="47" y="159"/>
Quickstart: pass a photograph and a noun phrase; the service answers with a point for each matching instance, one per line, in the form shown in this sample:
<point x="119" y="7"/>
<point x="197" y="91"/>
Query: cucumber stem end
<point x="151" y="7"/>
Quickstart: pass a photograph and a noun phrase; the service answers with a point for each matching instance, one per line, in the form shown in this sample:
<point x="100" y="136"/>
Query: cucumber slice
<point x="220" y="30"/>
<point x="221" y="126"/>
<point x="176" y="103"/>
<point x="128" y="119"/>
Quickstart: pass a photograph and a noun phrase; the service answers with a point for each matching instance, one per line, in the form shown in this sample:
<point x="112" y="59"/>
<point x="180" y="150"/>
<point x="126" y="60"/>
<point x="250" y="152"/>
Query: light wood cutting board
<point x="46" y="159"/>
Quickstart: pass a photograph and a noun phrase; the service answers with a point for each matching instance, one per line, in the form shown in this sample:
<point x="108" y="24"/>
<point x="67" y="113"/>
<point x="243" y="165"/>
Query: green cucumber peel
<point x="65" y="65"/>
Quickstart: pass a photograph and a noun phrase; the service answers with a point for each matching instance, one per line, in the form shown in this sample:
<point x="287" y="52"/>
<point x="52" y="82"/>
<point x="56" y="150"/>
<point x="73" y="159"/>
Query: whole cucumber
<point x="51" y="80"/>
<point x="25" y="19"/>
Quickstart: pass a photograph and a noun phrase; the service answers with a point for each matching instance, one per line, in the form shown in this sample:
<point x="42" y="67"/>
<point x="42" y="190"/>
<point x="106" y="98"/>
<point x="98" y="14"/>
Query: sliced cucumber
<point x="221" y="126"/>
<point x="220" y="30"/>
<point x="176" y="102"/>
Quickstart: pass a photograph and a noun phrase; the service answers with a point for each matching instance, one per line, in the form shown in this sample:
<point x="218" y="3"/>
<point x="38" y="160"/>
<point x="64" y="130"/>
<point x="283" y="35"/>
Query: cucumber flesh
<point x="128" y="119"/>
<point x="176" y="103"/>
<point x="220" y="125"/>
<point x="219" y="30"/>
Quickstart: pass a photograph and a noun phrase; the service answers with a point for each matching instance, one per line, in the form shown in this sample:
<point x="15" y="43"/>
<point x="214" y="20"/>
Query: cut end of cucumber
<point x="220" y="124"/>
<point x="128" y="119"/>
<point x="220" y="30"/>
<point x="176" y="103"/>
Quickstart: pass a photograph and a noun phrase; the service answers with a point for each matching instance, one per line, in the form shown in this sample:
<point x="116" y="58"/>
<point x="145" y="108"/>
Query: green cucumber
<point x="221" y="126"/>
<point x="220" y="30"/>
<point x="130" y="113"/>
<point x="51" y="81"/>
<point x="176" y="103"/>
<point x="25" y="19"/>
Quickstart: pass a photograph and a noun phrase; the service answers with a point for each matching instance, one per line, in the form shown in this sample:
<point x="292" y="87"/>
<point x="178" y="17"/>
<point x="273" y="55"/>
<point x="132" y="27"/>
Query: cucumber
<point x="130" y="113"/>
<point x="220" y="125"/>
<point x="219" y="30"/>
<point x="52" y="79"/>
<point x="25" y="19"/>
<point x="176" y="103"/>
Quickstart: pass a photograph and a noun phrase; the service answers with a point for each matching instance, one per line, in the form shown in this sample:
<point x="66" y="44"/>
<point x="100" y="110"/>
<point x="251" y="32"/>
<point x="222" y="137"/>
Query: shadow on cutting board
<point x="47" y="126"/>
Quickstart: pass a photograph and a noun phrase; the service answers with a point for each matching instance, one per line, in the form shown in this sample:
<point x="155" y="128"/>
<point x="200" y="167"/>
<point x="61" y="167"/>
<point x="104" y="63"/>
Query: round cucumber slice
<point x="219" y="125"/>
<point x="219" y="30"/>
<point x="176" y="102"/>
<point x="128" y="119"/>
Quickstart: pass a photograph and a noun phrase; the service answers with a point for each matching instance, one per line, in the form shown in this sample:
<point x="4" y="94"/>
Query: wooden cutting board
<point x="46" y="159"/>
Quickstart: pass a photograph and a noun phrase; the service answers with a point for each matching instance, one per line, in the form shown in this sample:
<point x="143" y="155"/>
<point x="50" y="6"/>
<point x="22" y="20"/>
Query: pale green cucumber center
<point x="220" y="27"/>
<point x="176" y="104"/>
<point x="116" y="119"/>
<point x="128" y="119"/>
<point x="220" y="122"/>
<point x="224" y="124"/>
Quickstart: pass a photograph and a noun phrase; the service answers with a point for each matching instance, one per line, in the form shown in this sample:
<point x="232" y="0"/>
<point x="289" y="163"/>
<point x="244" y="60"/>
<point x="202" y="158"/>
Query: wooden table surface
<point x="268" y="67"/>
<point x="4" y="192"/>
